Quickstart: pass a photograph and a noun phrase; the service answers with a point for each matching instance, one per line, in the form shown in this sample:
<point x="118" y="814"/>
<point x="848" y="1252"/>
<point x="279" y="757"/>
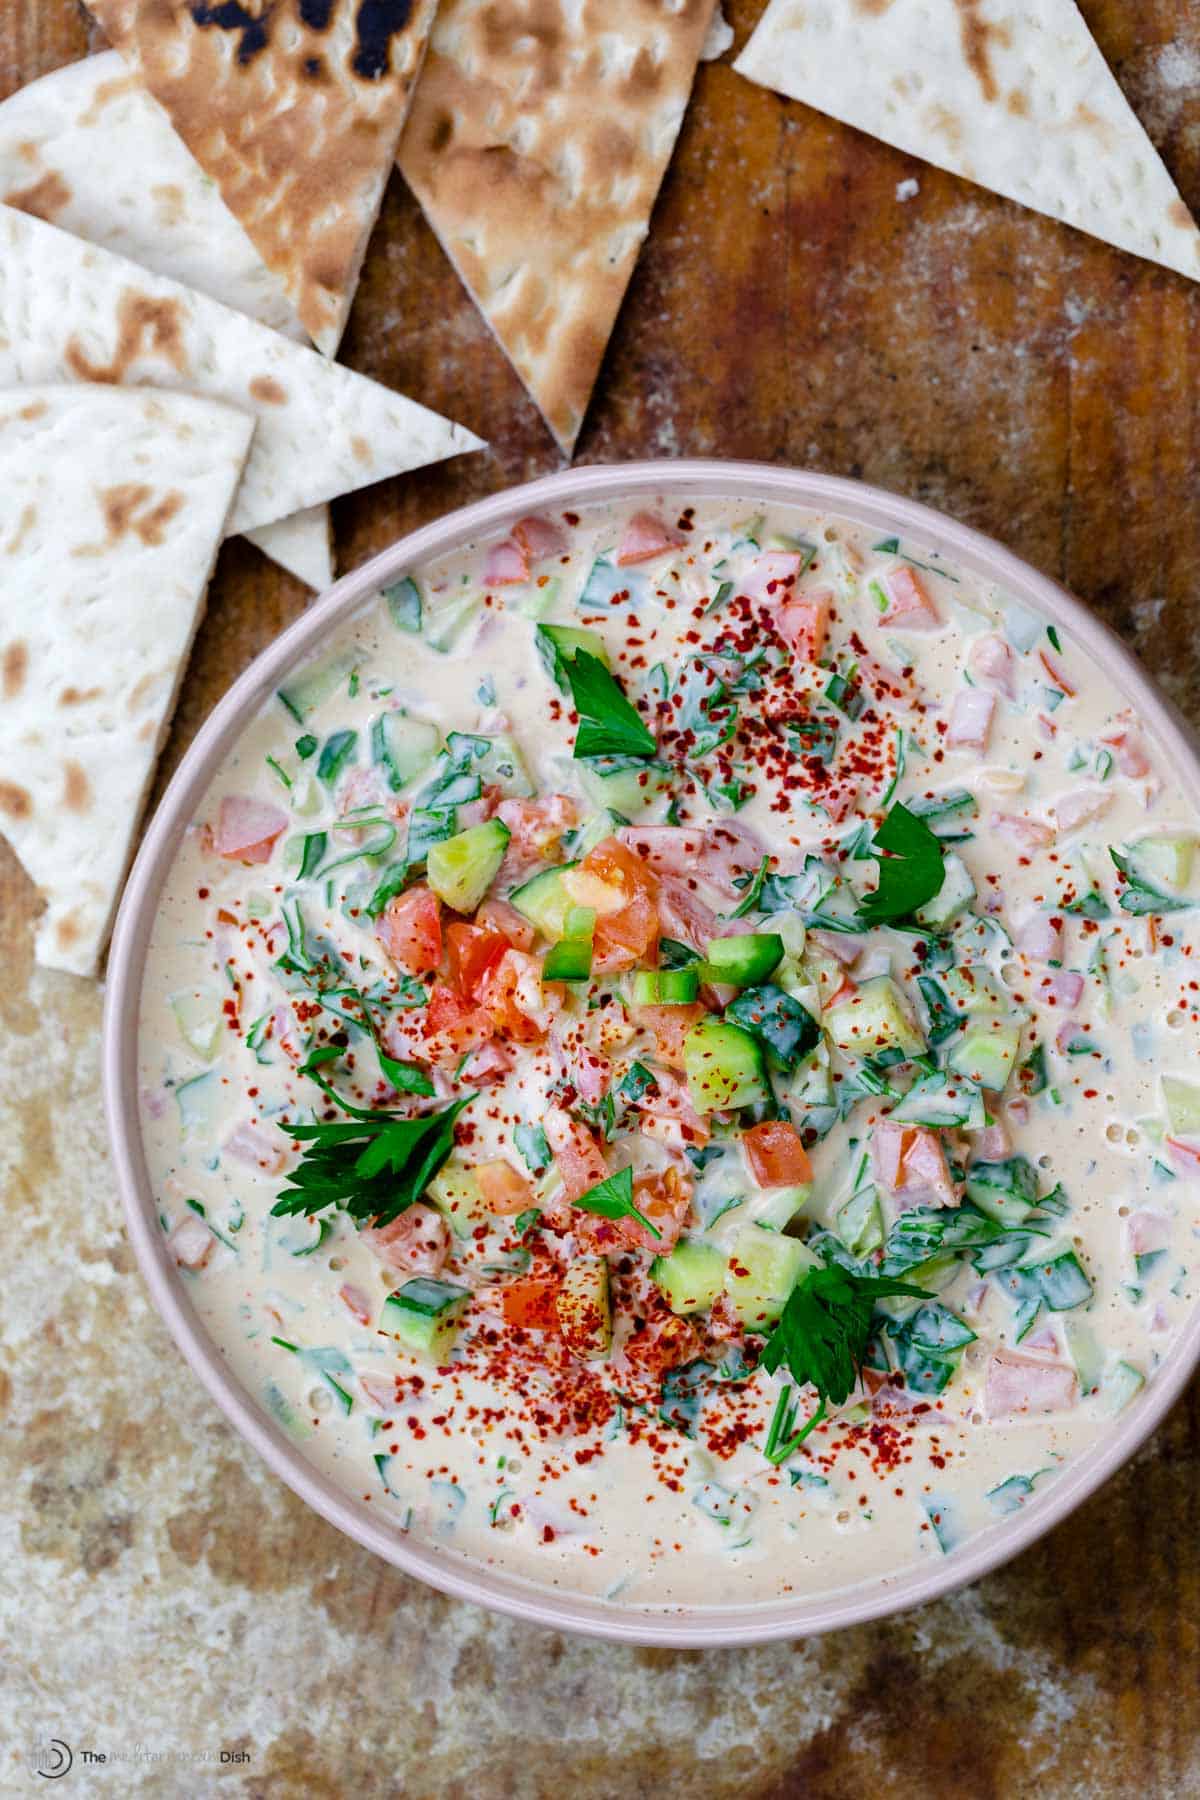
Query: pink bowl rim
<point x="455" y="1575"/>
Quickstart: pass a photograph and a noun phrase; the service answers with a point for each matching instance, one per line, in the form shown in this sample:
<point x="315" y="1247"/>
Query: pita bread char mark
<point x="538" y="139"/>
<point x="294" y="108"/>
<point x="74" y="151"/>
<point x="71" y="310"/>
<point x="123" y="494"/>
<point x="1012" y="94"/>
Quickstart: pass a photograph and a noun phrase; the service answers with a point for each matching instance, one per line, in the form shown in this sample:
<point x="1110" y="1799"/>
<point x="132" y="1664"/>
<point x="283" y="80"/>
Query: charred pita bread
<point x="112" y="508"/>
<point x="294" y="109"/>
<point x="538" y="138"/>
<point x="1013" y="94"/>
<point x="70" y="311"/>
<point x="75" y="148"/>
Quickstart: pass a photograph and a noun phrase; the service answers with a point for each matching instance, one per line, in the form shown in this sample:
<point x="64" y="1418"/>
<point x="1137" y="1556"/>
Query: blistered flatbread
<point x="113" y="504"/>
<point x="1013" y="94"/>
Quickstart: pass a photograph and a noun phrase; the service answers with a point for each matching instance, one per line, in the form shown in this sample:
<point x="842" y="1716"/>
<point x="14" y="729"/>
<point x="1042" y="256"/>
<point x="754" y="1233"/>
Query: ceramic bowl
<point x="575" y="488"/>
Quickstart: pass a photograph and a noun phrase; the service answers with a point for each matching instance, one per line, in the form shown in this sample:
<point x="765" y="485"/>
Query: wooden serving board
<point x="158" y="1587"/>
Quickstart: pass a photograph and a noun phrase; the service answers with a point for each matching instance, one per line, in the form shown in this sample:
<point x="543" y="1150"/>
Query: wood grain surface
<point x="160" y="1587"/>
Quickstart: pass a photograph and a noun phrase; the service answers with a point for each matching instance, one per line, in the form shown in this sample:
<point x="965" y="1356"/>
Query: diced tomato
<point x="503" y="1189"/>
<point x="647" y="535"/>
<point x="1129" y="749"/>
<point x="536" y="826"/>
<point x="498" y="915"/>
<point x="626" y="934"/>
<point x="452" y="1027"/>
<point x="247" y="829"/>
<point x="682" y="916"/>
<point x="528" y="1302"/>
<point x="991" y="659"/>
<point x="664" y="1344"/>
<point x="505" y="563"/>
<point x="490" y="1063"/>
<point x="471" y="951"/>
<point x="1027" y="833"/>
<point x="773" y="574"/>
<point x="668" y="1114"/>
<point x="1024" y="1384"/>
<point x="665" y="1198"/>
<point x="670" y="1025"/>
<point x="908" y="601"/>
<point x="251" y="1145"/>
<point x="910" y="1164"/>
<point x="539" y="537"/>
<point x="511" y="990"/>
<point x="1080" y="808"/>
<point x="803" y="622"/>
<point x="577" y="1156"/>
<point x="411" y="930"/>
<point x="776" y="1156"/>
<point x="971" y="719"/>
<point x="355" y="1302"/>
<point x="417" y="1242"/>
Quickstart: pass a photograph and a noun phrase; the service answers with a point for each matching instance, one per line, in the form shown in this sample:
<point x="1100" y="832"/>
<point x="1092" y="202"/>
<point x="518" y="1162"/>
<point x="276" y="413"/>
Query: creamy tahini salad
<point x="668" y="1055"/>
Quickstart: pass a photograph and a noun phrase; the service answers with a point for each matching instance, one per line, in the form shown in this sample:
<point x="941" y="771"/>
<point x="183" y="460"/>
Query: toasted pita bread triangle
<point x="1012" y="94"/>
<point x="75" y="148"/>
<point x="294" y="110"/>
<point x="112" y="509"/>
<point x="70" y="311"/>
<point x="536" y="146"/>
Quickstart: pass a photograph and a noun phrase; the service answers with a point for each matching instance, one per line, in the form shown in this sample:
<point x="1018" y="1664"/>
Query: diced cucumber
<point x="304" y="692"/>
<point x="196" y="1099"/>
<point x="424" y="1315"/>
<point x="446" y="624"/>
<point x="1085" y="1352"/>
<point x="557" y="644"/>
<point x="664" y="987"/>
<point x="987" y="1052"/>
<point x="776" y="1207"/>
<point x="1006" y="1191"/>
<point x="763" y="1268"/>
<point x="593" y="831"/>
<point x="629" y="785"/>
<point x="812" y="1084"/>
<point x="1162" y="861"/>
<point x="545" y="902"/>
<point x="971" y="988"/>
<point x="741" y="961"/>
<point x="199" y="1018"/>
<point x="1120" y="1386"/>
<point x="934" y="1275"/>
<point x="584" y="1307"/>
<point x="403" y="601"/>
<point x="1059" y="1274"/>
<point x="462" y="868"/>
<point x="691" y="1277"/>
<point x="787" y="1030"/>
<point x="724" y="1066"/>
<point x="608" y="585"/>
<point x="503" y="767"/>
<point x="859" y="1222"/>
<point x="403" y="747"/>
<point x="942" y="1101"/>
<point x="1182" y="1101"/>
<point x="956" y="892"/>
<point x="456" y="1193"/>
<point x="875" y="1019"/>
<point x="570" y="959"/>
